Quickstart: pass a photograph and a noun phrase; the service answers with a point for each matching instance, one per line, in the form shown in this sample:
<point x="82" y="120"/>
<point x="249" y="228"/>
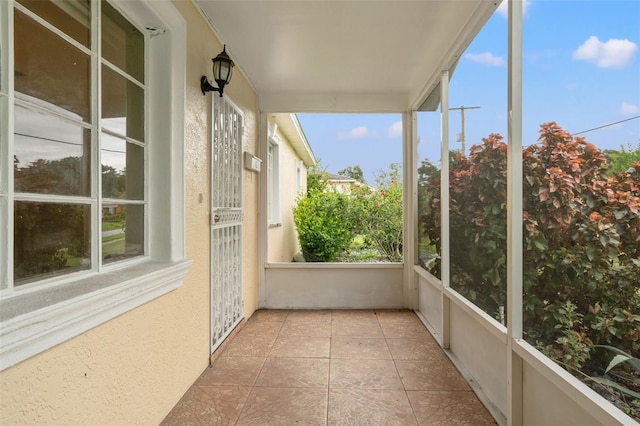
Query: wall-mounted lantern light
<point x="222" y="70"/>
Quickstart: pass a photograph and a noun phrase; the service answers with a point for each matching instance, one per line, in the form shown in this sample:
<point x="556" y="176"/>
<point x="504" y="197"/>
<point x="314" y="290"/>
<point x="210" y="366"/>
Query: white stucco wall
<point x="283" y="239"/>
<point x="133" y="369"/>
<point x="333" y="285"/>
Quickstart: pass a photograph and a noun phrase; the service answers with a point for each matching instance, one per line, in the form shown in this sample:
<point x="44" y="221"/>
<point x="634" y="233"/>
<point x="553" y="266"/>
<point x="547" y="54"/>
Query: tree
<point x="316" y="178"/>
<point x="427" y="172"/>
<point x="66" y="176"/>
<point x="322" y="222"/>
<point x="581" y="241"/>
<point x="622" y="160"/>
<point x="48" y="234"/>
<point x="378" y="212"/>
<point x="327" y="221"/>
<point x="354" y="172"/>
<point x="113" y="182"/>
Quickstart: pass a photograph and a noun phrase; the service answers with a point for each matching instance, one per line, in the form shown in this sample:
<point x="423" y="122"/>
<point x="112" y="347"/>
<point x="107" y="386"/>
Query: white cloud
<point x="503" y="9"/>
<point x="486" y="58"/>
<point x="395" y="130"/>
<point x="613" y="53"/>
<point x="355" y="133"/>
<point x="629" y="109"/>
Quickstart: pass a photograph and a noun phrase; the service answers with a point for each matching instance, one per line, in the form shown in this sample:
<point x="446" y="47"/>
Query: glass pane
<point x="122" y="105"/>
<point x="478" y="172"/>
<point x="122" y="232"/>
<point x="581" y="193"/>
<point x="122" y="169"/>
<point x="50" y="239"/>
<point x="429" y="191"/>
<point x="4" y="146"/>
<point x="51" y="156"/>
<point x="73" y="17"/>
<point x="122" y="43"/>
<point x="49" y="69"/>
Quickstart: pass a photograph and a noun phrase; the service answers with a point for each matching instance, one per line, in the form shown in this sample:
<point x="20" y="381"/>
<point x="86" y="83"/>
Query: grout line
<point x="332" y="319"/>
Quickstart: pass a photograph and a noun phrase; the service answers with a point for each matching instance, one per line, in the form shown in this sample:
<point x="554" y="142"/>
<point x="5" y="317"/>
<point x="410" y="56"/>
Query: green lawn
<point x="113" y="246"/>
<point x="110" y="226"/>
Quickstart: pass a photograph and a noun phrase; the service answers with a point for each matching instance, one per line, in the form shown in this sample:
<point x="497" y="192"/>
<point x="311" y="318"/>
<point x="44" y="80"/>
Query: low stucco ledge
<point x="36" y="330"/>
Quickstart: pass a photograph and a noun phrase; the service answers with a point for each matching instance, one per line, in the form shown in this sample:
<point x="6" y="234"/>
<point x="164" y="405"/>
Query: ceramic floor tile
<point x="430" y="375"/>
<point x="351" y="314"/>
<point x="356" y="328"/>
<point x="359" y="348"/>
<point x="294" y="373"/>
<point x="404" y="330"/>
<point x="449" y="407"/>
<point x="310" y="315"/>
<point x="306" y="328"/>
<point x="208" y="405"/>
<point x="396" y="315"/>
<point x="261" y="328"/>
<point x="364" y="374"/>
<point x="369" y="407"/>
<point x="272" y="315"/>
<point x="239" y="371"/>
<point x="285" y="406"/>
<point x="254" y="346"/>
<point x="379" y="368"/>
<point x="424" y="348"/>
<point x="302" y="347"/>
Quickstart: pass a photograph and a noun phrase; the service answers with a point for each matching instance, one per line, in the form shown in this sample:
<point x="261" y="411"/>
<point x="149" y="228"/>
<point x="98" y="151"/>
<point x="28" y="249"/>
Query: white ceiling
<point x="345" y="56"/>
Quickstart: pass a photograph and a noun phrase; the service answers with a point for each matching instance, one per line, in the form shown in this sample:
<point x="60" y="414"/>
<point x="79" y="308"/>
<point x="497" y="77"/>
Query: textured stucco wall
<point x="283" y="240"/>
<point x="133" y="369"/>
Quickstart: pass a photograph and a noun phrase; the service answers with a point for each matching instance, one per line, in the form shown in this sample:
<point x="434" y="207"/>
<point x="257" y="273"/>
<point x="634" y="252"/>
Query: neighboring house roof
<point x="290" y="127"/>
<point x="341" y="179"/>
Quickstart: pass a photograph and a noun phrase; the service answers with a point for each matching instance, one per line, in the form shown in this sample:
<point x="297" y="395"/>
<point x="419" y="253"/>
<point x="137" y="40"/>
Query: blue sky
<point x="581" y="69"/>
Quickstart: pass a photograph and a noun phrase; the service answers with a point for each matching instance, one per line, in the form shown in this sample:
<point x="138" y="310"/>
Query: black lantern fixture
<point x="222" y="70"/>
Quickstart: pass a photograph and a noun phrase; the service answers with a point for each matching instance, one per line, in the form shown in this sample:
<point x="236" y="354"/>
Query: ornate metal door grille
<point x="226" y="220"/>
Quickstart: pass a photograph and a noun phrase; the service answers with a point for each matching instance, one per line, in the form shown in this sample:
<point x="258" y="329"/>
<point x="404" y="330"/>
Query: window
<point x="299" y="166"/>
<point x="62" y="152"/>
<point x="273" y="172"/>
<point x="90" y="139"/>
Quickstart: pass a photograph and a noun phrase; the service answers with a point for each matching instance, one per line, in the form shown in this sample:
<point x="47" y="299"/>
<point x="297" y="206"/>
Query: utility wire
<point x="606" y="125"/>
<point x="48" y="139"/>
<point x="66" y="143"/>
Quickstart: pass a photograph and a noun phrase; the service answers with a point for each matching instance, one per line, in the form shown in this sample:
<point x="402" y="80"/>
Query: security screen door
<point x="226" y="219"/>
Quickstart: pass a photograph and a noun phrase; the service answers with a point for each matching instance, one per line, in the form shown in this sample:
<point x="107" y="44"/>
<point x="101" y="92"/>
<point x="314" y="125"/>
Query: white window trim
<point x="299" y="167"/>
<point x="124" y="287"/>
<point x="29" y="334"/>
<point x="273" y="170"/>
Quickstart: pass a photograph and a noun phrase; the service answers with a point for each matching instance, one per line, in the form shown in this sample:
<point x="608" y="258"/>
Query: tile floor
<point x="361" y="367"/>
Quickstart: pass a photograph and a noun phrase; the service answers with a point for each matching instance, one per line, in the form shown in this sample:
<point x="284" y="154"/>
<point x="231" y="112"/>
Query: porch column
<point x="514" y="216"/>
<point x="263" y="182"/>
<point x="410" y="207"/>
<point x="444" y="207"/>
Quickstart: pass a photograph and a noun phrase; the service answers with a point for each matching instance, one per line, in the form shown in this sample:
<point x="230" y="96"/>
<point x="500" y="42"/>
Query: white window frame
<point x="274" y="215"/>
<point x="299" y="167"/>
<point x="38" y="317"/>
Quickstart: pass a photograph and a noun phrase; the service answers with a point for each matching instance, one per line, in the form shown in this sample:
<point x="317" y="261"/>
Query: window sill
<point x="34" y="330"/>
